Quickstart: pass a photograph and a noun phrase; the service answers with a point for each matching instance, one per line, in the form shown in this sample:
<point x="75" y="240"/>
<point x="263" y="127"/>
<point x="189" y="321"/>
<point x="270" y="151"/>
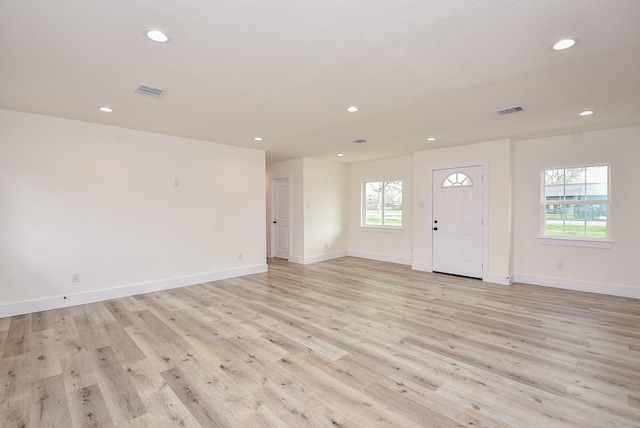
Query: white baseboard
<point x="25" y="307"/>
<point x="589" y="287"/>
<point x="422" y="267"/>
<point x="319" y="258"/>
<point x="498" y="279"/>
<point x="380" y="257"/>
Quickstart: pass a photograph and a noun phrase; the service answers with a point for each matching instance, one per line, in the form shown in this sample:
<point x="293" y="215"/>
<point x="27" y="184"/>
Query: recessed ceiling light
<point x="157" y="36"/>
<point x="431" y="139"/>
<point x="258" y="138"/>
<point x="340" y="154"/>
<point x="586" y="113"/>
<point x="563" y="44"/>
<point x="105" y="109"/>
<point x="352" y="109"/>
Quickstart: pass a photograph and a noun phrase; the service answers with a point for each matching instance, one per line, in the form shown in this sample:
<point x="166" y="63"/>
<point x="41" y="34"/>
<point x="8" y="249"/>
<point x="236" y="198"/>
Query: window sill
<point x="381" y="229"/>
<point x="568" y="242"/>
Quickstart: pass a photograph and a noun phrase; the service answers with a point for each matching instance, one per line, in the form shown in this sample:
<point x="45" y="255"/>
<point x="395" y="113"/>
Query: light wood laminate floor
<point x="343" y="343"/>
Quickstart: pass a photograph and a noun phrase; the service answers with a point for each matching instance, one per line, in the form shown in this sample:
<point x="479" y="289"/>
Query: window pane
<point x="553" y="177"/>
<point x="554" y="220"/>
<point x="574" y="229"/>
<point x="457" y="179"/>
<point x="596" y="220"/>
<point x="393" y="203"/>
<point x="374" y="218"/>
<point x="576" y="220"/>
<point x="383" y="203"/>
<point x="573" y="224"/>
<point x="574" y="175"/>
<point x="575" y="188"/>
<point x="554" y="184"/>
<point x="597" y="177"/>
<point x="572" y="205"/>
<point x="373" y="190"/>
<point x="575" y="191"/>
<point x="554" y="192"/>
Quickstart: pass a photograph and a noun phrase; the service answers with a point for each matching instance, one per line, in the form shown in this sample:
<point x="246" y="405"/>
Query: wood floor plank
<point x="63" y="324"/>
<point x="193" y="399"/>
<point x="343" y="343"/>
<point x="41" y="321"/>
<point x="88" y="408"/>
<point x="3" y="337"/>
<point x="160" y="355"/>
<point x="121" y="396"/>
<point x="303" y="338"/>
<point x="18" y="336"/>
<point x="79" y="371"/>
<point x="398" y="402"/>
<point x="89" y="331"/>
<point x="164" y="407"/>
<point x="120" y="312"/>
<point x="343" y="397"/>
<point x="4" y="323"/>
<point x="49" y="403"/>
<point x="634" y="401"/>
<point x="15" y="394"/>
<point x="132" y="304"/>
<point x="43" y="360"/>
<point x="127" y="350"/>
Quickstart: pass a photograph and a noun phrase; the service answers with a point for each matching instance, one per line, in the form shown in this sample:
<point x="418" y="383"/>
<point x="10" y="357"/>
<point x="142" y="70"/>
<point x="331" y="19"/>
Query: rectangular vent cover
<point x="150" y="90"/>
<point x="510" y="110"/>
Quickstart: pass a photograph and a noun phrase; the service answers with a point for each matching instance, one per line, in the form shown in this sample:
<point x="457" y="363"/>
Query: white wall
<point x="325" y="210"/>
<point x="604" y="270"/>
<point x="376" y="244"/>
<point x="291" y="169"/>
<point x="497" y="156"/>
<point x="318" y="208"/>
<point x="103" y="201"/>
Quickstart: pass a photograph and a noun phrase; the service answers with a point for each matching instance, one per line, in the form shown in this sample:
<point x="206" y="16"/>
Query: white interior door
<point x="281" y="218"/>
<point x="457" y="221"/>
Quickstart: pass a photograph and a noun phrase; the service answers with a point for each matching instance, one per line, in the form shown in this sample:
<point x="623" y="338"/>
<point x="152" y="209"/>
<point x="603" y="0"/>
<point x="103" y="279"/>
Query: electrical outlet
<point x="75" y="276"/>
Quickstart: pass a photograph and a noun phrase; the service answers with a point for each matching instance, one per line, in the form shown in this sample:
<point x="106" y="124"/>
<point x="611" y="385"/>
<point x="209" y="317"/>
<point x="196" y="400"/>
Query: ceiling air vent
<point x="510" y="110"/>
<point x="359" y="141"/>
<point x="150" y="90"/>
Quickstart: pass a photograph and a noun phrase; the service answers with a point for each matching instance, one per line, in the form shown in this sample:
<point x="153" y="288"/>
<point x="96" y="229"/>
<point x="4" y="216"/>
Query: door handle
<point x="435" y="228"/>
<point x="274" y="222"/>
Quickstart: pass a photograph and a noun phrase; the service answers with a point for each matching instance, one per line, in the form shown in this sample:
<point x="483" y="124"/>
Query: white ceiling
<point x="286" y="70"/>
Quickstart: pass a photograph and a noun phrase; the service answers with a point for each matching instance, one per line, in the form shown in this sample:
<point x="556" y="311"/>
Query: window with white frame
<point x="575" y="202"/>
<point x="382" y="203"/>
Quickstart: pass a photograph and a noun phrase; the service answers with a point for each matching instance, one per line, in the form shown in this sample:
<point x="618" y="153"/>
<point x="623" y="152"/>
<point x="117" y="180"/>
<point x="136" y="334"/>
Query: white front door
<point x="457" y="221"/>
<point x="281" y="218"/>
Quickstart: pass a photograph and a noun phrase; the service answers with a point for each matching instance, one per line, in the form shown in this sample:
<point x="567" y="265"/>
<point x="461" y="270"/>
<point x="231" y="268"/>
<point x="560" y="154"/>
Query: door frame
<point x="272" y="216"/>
<point x="485" y="207"/>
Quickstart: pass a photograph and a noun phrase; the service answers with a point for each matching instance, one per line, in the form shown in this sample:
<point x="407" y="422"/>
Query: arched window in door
<point x="457" y="179"/>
